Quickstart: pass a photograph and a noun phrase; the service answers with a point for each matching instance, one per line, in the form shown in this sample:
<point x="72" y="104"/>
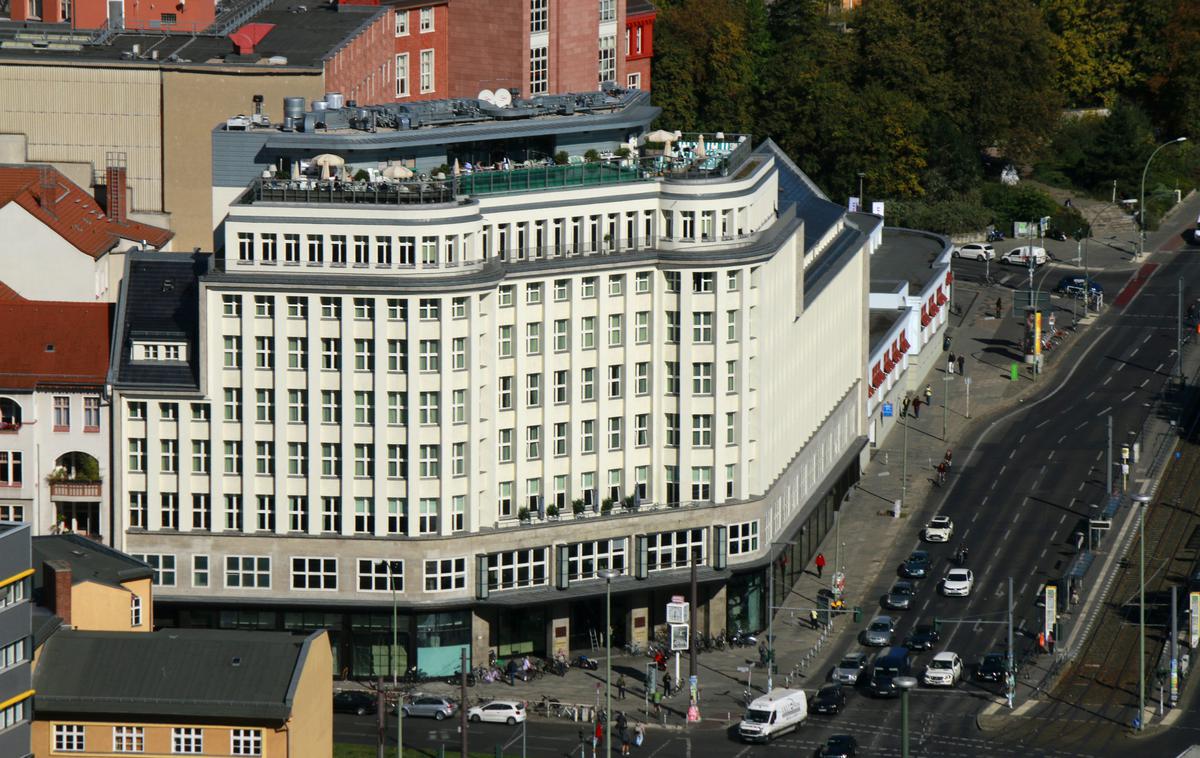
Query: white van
<point x="1019" y="256"/>
<point x="776" y="713"/>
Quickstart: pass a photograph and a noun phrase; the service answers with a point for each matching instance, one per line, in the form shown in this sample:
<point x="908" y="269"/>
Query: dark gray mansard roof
<point x="175" y="673"/>
<point x="159" y="300"/>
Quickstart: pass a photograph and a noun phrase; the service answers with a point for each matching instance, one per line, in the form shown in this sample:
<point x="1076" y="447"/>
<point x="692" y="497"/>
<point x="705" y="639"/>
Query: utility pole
<point x="946" y="402"/>
<point x="1011" y="668"/>
<point x="1179" y="334"/>
<point x="692" y="616"/>
<point x="462" y="695"/>
<point x="904" y="465"/>
<point x="1108" y="477"/>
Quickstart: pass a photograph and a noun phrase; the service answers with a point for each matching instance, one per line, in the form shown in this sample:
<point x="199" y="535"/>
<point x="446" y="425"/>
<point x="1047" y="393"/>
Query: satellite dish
<point x="503" y="98"/>
<point x="487" y="96"/>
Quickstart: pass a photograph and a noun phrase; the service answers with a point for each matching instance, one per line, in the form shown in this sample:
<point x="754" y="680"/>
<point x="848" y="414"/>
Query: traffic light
<point x="857" y="614"/>
<point x="937" y="625"/>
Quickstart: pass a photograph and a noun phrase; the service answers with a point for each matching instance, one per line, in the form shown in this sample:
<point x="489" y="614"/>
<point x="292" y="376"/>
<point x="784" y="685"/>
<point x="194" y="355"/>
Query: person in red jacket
<point x="820" y="561"/>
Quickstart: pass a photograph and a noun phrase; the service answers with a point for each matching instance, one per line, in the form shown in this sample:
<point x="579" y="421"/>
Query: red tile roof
<point x="69" y="210"/>
<point x="53" y="343"/>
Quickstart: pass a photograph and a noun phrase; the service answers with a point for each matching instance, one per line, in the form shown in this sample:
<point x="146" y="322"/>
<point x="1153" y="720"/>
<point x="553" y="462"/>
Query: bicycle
<point x="633" y="648"/>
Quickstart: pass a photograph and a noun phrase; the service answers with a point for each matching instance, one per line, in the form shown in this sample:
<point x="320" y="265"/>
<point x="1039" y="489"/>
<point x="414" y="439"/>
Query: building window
<point x="364" y="355"/>
<point x="675" y="549"/>
<point x="68" y="738"/>
<point x="137" y="510"/>
<point x="427" y="515"/>
<point x="445" y="574"/>
<point x="331" y="514"/>
<point x="702" y="378"/>
<point x="672" y="318"/>
<point x="233" y="511"/>
<point x="163" y="565"/>
<point x="672" y="429"/>
<point x="702" y="327"/>
<point x="430" y="356"/>
<point x="701" y="483"/>
<point x="430" y="461"/>
<point x="539" y="15"/>
<point x="701" y="430"/>
<point x="634" y="80"/>
<point x="233" y="352"/>
<point x="135" y="610"/>
<point x="62" y="413"/>
<point x="247" y="572"/>
<point x="397" y="516"/>
<point x="91" y="414"/>
<point x="199" y="570"/>
<point x="200" y="456"/>
<point x="314" y="573"/>
<point x="427" y="19"/>
<point x="731" y="321"/>
<point x="608" y="10"/>
<point x="731" y="376"/>
<point x="615" y="424"/>
<point x="11" y="469"/>
<point x="585" y="560"/>
<point x="608" y="58"/>
<point x="231" y="306"/>
<point x="129" y="739"/>
<point x="539" y="78"/>
<point x="364" y="515"/>
<point x="246" y="742"/>
<point x="187" y="740"/>
<point x="533" y="338"/>
<point x="517" y="568"/>
<point x="402" y="23"/>
<point x="298" y="513"/>
<point x="380" y="575"/>
<point x="426" y="67"/>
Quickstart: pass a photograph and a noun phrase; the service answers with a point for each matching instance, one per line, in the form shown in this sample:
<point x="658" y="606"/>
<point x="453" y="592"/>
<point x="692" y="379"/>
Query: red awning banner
<point x="888" y="363"/>
<point x="925" y="317"/>
<point x="877" y="375"/>
<point x="949" y="277"/>
<point x="904" y="346"/>
<point x="941" y="297"/>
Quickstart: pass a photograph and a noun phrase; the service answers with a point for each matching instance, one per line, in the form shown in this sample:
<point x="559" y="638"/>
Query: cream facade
<point x="418" y="388"/>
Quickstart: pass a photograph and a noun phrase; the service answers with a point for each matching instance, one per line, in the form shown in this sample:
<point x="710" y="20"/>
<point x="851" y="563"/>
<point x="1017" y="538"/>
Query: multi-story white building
<point x="490" y="389"/>
<point x="54" y="416"/>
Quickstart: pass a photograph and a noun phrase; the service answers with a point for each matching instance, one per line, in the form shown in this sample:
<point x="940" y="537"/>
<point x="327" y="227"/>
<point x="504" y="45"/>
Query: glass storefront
<point x="521" y="632"/>
<point x="441" y="638"/>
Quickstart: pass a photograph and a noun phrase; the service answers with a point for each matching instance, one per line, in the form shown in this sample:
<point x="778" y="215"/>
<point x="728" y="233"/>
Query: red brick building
<point x="424" y="50"/>
<point x="172" y="15"/>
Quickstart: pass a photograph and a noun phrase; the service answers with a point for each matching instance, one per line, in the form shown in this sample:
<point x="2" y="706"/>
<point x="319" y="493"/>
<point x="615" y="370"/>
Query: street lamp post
<point x="1143" y="501"/>
<point x="904" y="684"/>
<point x="861" y="174"/>
<point x="609" y="575"/>
<point x="771" y="618"/>
<point x="1142" y="198"/>
<point x="395" y="649"/>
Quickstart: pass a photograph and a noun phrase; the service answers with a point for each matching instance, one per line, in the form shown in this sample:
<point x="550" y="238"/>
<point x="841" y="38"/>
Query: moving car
<point x="430" y="706"/>
<point x="1073" y="285"/>
<point x="924" y="637"/>
<point x="958" y="582"/>
<point x="901" y="596"/>
<point x="944" y="670"/>
<point x="939" y="529"/>
<point x="851" y="668"/>
<point x="1019" y="256"/>
<point x="838" y="746"/>
<point x="830" y="699"/>
<point x="980" y="251"/>
<point x="992" y="668"/>
<point x="916" y="566"/>
<point x="774" y="714"/>
<point x="354" y="701"/>
<point x="498" y="712"/>
<point x="879" y="632"/>
<point x="891" y="663"/>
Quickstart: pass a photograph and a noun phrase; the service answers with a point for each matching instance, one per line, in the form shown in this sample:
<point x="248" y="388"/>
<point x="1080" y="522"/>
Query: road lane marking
<point x="1106" y="410"/>
<point x="1135" y="352"/>
<point x="985" y="499"/>
<point x="975" y="517"/>
<point x="1021" y="440"/>
<point x="1001" y="472"/>
<point x="1039" y="426"/>
<point x="1121" y="367"/>
<point x="1060" y="439"/>
<point x="1146" y="340"/>
<point x="1131" y="394"/>
<point x="1007" y="532"/>
<point x="1107" y="379"/>
<point x="1144" y="383"/>
<point x="1159" y="367"/>
<point x="1081" y="425"/>
<point x="1049" y="458"/>
<point x="1088" y="396"/>
<point x="1011" y="453"/>
<point x="1099" y="453"/>
<point x="1081" y="484"/>
<point x="1064" y="516"/>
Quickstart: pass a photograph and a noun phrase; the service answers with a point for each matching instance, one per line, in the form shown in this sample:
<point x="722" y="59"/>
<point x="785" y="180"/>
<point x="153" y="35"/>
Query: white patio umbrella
<point x="397" y="172"/>
<point x="659" y="135"/>
<point x="699" y="151"/>
<point x="457" y="168"/>
<point x="328" y="161"/>
<point x="295" y="171"/>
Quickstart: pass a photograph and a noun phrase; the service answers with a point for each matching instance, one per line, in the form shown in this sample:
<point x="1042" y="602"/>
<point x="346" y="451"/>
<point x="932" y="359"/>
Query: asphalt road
<point x="1016" y="493"/>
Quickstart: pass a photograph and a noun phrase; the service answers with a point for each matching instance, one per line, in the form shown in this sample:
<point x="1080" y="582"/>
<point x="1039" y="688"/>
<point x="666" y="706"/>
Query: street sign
<point x="679" y="637"/>
<point x="743" y="669"/>
<point x="887" y="410"/>
<point x="1051" y="608"/>
<point x="1194" y="619"/>
<point x="677" y="612"/>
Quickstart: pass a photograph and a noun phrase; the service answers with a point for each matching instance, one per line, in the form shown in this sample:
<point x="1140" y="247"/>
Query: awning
<point x="949" y="277"/>
<point x="877" y="375"/>
<point x="888" y="362"/>
<point x="904" y="346"/>
<point x="941" y="297"/>
<point x="925" y="317"/>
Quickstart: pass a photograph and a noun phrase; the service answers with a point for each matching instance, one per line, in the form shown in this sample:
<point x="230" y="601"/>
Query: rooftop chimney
<point x="114" y="180"/>
<point x="56" y="589"/>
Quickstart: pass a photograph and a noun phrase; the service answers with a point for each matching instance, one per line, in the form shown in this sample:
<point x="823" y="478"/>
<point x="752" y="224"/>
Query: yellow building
<point x="193" y="692"/>
<point x="91" y="587"/>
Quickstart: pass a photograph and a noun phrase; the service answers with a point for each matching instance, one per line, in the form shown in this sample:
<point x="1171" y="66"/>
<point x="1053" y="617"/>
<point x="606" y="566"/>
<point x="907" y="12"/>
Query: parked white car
<point x="978" y="251"/>
<point x="498" y="712"/>
<point x="945" y="670"/>
<point x="939" y="529"/>
<point x="1019" y="256"/>
<point x="958" y="582"/>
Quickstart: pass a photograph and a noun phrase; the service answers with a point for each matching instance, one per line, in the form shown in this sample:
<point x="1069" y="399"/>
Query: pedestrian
<point x="639" y="734"/>
<point x="999" y="307"/>
<point x="916" y="406"/>
<point x="961" y="366"/>
<point x="657" y="704"/>
<point x="667" y="684"/>
<point x="941" y="473"/>
<point x="813" y="618"/>
<point x="949" y="458"/>
<point x="598" y="737"/>
<point x="928" y="394"/>
<point x="1050" y="642"/>
<point x="512" y="672"/>
<point x="950" y="364"/>
<point x="621" y="687"/>
<point x="624" y="741"/>
<point x="1041" y="642"/>
<point x="762" y="654"/>
<point x="820" y="562"/>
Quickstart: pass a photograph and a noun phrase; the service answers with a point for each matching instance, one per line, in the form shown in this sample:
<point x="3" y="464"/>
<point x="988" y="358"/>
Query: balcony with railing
<point x="75" y="490"/>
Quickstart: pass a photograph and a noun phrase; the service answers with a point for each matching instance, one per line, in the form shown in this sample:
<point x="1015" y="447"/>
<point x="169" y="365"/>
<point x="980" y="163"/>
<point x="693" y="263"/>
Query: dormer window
<point x="159" y="351"/>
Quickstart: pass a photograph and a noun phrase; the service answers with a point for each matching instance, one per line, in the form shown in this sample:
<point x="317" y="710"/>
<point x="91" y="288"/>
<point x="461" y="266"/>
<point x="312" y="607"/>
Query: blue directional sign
<point x="888" y="410"/>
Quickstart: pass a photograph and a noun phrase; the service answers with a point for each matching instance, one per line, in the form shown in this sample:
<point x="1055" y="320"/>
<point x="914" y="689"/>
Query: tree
<point x="1088" y="39"/>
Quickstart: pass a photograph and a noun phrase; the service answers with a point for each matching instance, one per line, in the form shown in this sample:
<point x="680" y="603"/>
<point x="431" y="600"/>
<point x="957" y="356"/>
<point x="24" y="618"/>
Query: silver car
<point x="430" y="706"/>
<point x="879" y="632"/>
<point x="901" y="596"/>
<point x="851" y="668"/>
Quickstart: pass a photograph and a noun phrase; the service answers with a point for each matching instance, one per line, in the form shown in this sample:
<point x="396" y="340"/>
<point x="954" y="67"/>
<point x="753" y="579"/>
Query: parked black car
<point x="354" y="701"/>
<point x="838" y="746"/>
<point x="830" y="699"/>
<point x="992" y="668"/>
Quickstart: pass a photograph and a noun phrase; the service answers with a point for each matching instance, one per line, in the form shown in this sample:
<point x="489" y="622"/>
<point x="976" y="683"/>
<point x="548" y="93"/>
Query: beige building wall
<point x="98" y="738"/>
<point x="75" y="113"/>
<point x="310" y="727"/>
<point x="195" y="101"/>
<point x="103" y="608"/>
